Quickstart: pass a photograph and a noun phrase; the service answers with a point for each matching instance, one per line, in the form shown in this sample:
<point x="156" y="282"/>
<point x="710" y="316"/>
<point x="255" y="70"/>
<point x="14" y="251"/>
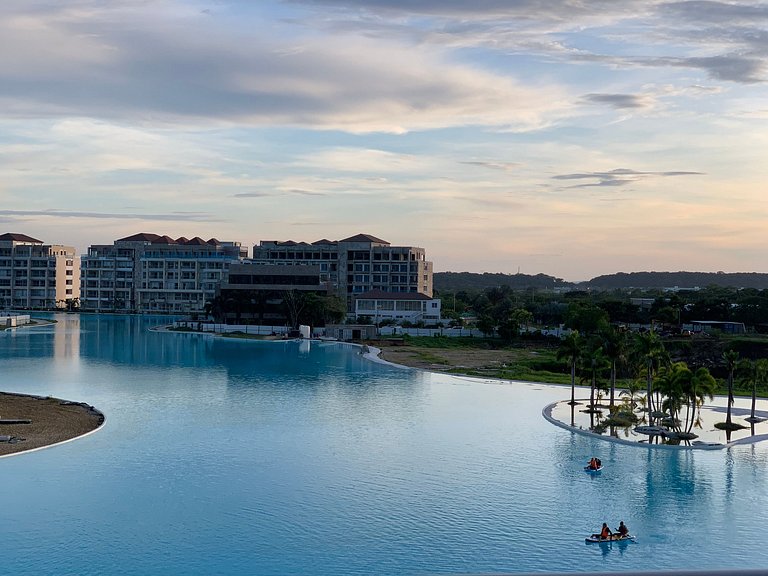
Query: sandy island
<point x="51" y="421"/>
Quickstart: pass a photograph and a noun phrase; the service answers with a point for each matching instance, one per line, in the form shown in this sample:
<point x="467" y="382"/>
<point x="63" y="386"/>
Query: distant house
<point x="398" y="307"/>
<point x="698" y="326"/>
<point x="350" y="331"/>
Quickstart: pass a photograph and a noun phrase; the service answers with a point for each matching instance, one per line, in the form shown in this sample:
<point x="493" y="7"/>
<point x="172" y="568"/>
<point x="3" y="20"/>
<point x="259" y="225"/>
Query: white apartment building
<point x="398" y="307"/>
<point x="355" y="265"/>
<point x="151" y="273"/>
<point x="38" y="276"/>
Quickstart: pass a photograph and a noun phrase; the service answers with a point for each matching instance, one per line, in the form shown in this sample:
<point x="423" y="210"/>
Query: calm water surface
<point x="238" y="457"/>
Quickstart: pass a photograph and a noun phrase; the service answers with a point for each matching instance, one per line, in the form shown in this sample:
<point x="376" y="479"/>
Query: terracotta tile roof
<point x="364" y="238"/>
<point x="141" y="237"/>
<point x="19" y="237"/>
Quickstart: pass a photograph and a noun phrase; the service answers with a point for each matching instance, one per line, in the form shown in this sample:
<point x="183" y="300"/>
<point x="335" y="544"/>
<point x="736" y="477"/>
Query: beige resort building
<point x="37" y="276"/>
<point x="355" y="265"/>
<point x="151" y="273"/>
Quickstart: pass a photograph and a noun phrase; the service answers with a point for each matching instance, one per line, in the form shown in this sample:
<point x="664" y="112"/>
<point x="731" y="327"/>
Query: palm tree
<point x="614" y="347"/>
<point x="570" y="349"/>
<point x="758" y="374"/>
<point x="703" y="386"/>
<point x="731" y="359"/>
<point x="630" y="393"/>
<point x="673" y="383"/>
<point x="649" y="349"/>
<point x="593" y="358"/>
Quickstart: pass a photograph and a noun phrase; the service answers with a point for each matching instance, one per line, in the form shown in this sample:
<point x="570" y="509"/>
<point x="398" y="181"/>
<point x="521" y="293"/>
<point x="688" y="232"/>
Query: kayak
<point x="612" y="538"/>
<point x="592" y="470"/>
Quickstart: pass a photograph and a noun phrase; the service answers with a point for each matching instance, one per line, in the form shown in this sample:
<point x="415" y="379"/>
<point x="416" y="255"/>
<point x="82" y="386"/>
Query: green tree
<point x="594" y="361"/>
<point x="614" y="347"/>
<point x="485" y="325"/>
<point x="523" y="317"/>
<point x="586" y="318"/>
<point x="672" y="383"/>
<point x="570" y="350"/>
<point x="758" y="376"/>
<point x="649" y="351"/>
<point x="731" y="359"/>
<point x="703" y="386"/>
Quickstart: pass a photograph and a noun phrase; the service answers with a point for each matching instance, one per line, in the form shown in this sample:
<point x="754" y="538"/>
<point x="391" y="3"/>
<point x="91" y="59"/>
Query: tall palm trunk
<point x="649" y="392"/>
<point x="573" y="381"/>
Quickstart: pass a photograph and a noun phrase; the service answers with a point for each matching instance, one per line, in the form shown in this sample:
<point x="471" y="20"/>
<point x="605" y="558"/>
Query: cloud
<point x="113" y="62"/>
<point x="528" y="9"/>
<point x="279" y="193"/>
<point x="731" y="35"/>
<point x="618" y="177"/>
<point x="173" y="216"/>
<point x="718" y="13"/>
<point x="493" y="165"/>
<point x="252" y="195"/>
<point x="728" y="67"/>
<point x="619" y="101"/>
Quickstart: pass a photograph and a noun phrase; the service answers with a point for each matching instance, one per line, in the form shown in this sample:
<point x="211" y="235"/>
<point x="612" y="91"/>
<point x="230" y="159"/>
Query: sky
<point x="565" y="137"/>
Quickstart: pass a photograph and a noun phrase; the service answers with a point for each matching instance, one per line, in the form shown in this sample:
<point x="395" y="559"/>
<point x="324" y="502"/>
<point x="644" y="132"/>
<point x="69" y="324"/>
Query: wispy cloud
<point x="620" y="101"/>
<point x="506" y="166"/>
<point x="54" y="213"/>
<point x="619" y="177"/>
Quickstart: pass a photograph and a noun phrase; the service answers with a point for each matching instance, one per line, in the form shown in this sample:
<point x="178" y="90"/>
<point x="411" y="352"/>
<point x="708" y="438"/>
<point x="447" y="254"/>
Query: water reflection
<point x="606" y="548"/>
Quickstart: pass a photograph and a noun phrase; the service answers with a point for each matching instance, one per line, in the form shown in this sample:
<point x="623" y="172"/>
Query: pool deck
<point x="709" y="437"/>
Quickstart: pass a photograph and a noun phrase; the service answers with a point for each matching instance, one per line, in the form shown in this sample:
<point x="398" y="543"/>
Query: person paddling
<point x="605" y="533"/>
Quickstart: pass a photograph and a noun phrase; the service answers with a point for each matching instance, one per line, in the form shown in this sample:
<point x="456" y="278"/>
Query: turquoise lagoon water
<point x="240" y="457"/>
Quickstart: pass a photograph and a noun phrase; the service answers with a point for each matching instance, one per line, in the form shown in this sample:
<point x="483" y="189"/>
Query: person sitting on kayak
<point x="605" y="533"/>
<point x="622" y="529"/>
<point x="594" y="463"/>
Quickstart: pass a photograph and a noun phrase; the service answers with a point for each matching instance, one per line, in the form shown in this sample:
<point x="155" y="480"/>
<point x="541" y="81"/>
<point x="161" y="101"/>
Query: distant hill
<point x="455" y="281"/>
<point x="680" y="280"/>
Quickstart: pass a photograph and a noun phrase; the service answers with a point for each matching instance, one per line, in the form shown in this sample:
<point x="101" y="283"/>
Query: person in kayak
<point x="594" y="463"/>
<point x="605" y="533"/>
<point x="622" y="530"/>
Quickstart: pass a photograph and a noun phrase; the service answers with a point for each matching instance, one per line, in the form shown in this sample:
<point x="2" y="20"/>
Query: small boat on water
<point x="612" y="538"/>
<point x="594" y="465"/>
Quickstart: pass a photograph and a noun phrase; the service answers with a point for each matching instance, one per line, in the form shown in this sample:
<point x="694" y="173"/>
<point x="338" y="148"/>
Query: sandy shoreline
<point x="52" y="420"/>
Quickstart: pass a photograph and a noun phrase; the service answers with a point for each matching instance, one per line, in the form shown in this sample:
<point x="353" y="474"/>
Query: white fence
<point x="319" y="332"/>
<point x="13" y="320"/>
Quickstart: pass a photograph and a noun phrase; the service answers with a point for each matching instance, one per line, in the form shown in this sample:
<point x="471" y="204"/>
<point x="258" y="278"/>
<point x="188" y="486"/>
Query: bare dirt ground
<point x="447" y="359"/>
<point x="52" y="421"/>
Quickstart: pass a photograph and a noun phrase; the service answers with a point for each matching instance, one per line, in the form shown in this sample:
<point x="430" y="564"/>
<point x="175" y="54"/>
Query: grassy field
<point x="537" y="361"/>
<point x="476" y="357"/>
